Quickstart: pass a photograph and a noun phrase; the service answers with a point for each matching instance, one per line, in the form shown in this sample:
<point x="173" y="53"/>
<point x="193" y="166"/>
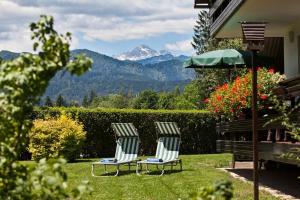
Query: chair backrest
<point x="124" y="130"/>
<point x="167" y="129"/>
<point x="168" y="140"/>
<point x="127" y="139"/>
<point x="168" y="148"/>
<point x="127" y="149"/>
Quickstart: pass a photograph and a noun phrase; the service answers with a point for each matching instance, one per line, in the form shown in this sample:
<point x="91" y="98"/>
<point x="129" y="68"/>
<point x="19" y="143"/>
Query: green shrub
<point x="197" y="127"/>
<point x="52" y="138"/>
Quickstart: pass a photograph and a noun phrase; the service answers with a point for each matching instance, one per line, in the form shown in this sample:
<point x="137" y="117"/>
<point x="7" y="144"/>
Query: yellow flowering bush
<point x="53" y="138"/>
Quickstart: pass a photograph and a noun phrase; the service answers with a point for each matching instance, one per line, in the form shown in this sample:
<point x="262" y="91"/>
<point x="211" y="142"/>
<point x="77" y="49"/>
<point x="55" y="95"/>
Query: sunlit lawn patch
<point x="199" y="171"/>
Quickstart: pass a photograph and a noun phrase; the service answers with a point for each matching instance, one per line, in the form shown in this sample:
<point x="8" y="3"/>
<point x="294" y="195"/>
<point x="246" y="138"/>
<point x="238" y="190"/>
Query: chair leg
<point x="92" y="170"/>
<point x="138" y="166"/>
<point x="147" y="168"/>
<point x="180" y="162"/>
<point x="118" y="169"/>
<point x="129" y="166"/>
<point x="233" y="162"/>
<point x="172" y="166"/>
<point x="163" y="170"/>
<point x="105" y="169"/>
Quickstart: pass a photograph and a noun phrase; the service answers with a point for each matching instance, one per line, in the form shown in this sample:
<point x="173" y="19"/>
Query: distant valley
<point x="159" y="71"/>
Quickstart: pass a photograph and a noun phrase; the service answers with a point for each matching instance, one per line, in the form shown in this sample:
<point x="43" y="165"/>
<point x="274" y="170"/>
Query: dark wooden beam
<point x="224" y="15"/>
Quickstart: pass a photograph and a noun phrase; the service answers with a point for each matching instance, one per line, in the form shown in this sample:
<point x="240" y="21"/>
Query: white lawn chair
<point x="127" y="140"/>
<point x="167" y="151"/>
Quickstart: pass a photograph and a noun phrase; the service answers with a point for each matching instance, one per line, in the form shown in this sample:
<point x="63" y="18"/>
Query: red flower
<point x="271" y="70"/>
<point x="219" y="98"/>
<point x="263" y="97"/>
<point x="259" y="68"/>
<point x="225" y="86"/>
<point x="206" y="100"/>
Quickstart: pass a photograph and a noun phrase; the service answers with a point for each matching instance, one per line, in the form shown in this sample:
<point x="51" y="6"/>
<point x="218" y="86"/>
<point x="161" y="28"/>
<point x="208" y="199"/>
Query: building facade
<point x="282" y="31"/>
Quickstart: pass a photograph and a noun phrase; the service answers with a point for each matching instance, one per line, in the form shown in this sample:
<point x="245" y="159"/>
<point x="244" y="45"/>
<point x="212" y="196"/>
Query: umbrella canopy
<point x="226" y="58"/>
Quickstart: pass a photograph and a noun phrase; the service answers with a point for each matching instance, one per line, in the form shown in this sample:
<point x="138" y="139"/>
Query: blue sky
<point x="108" y="27"/>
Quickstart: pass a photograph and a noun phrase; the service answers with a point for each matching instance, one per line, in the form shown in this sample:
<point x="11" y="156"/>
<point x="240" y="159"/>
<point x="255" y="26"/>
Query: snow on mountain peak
<point x="140" y="52"/>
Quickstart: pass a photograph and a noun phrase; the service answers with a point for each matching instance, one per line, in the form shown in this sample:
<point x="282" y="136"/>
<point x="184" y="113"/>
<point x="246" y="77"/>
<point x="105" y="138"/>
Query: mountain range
<point x="156" y="71"/>
<point x="140" y="52"/>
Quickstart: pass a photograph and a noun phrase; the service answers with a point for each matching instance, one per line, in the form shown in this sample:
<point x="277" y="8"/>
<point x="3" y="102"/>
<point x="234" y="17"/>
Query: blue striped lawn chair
<point x="127" y="140"/>
<point x="167" y="150"/>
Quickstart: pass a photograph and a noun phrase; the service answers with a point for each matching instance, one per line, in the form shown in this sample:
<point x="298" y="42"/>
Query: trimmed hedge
<point x="197" y="127"/>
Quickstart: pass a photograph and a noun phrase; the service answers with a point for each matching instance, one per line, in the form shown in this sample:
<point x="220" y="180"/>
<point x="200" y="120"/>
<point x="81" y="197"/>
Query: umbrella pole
<point x="254" y="129"/>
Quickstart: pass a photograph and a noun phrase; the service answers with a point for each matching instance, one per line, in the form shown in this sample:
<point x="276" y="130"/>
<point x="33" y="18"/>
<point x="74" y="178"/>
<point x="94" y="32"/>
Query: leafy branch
<point x="22" y="82"/>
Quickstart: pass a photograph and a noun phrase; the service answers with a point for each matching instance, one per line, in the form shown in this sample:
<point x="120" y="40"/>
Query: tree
<point x="118" y="101"/>
<point x="177" y="91"/>
<point x="25" y="80"/>
<point x="166" y="101"/>
<point x="85" y="102"/>
<point x="60" y="101"/>
<point x="193" y="92"/>
<point x="111" y="101"/>
<point x="201" y="38"/>
<point x="146" y="100"/>
<point x="48" y="102"/>
<point x="74" y="103"/>
<point x="93" y="95"/>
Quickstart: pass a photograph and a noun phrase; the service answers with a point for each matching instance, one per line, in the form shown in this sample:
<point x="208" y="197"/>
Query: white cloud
<point x="113" y="20"/>
<point x="128" y="31"/>
<point x="183" y="46"/>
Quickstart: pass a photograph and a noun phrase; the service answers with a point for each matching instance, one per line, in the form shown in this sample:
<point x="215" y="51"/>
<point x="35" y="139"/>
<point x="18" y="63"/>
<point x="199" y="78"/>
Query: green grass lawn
<point x="199" y="171"/>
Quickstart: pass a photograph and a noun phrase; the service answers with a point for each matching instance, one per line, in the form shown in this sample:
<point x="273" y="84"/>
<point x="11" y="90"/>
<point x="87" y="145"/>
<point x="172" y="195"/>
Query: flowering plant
<point x="230" y="98"/>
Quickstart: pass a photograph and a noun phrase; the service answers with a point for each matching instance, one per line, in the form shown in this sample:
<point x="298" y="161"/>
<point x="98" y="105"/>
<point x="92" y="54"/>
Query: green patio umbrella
<point x="226" y="58"/>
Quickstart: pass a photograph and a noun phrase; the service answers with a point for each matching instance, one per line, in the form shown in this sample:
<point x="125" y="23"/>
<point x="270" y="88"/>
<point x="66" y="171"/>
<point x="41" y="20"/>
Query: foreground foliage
<point x="22" y="82"/>
<point x="222" y="190"/>
<point x="54" y="138"/>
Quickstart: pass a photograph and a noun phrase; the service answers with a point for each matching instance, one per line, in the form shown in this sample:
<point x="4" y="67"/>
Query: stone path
<point x="283" y="183"/>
